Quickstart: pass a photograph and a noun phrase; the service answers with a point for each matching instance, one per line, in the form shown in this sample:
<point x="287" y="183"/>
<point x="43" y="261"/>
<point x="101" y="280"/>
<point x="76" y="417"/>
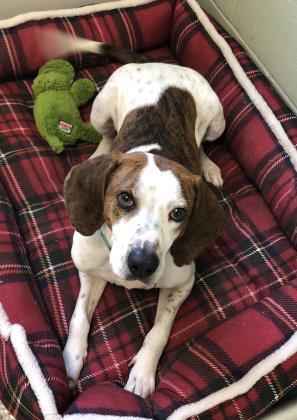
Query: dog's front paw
<point x="74" y="359"/>
<point x="212" y="173"/>
<point x="141" y="379"/>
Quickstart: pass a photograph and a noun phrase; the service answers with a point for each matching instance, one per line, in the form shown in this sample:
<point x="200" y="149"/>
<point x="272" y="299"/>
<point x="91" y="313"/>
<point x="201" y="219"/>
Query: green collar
<point x="104" y="239"/>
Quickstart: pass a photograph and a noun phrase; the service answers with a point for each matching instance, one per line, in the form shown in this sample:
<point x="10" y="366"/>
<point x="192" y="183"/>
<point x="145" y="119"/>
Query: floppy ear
<point x="84" y="191"/>
<point x="204" y="225"/>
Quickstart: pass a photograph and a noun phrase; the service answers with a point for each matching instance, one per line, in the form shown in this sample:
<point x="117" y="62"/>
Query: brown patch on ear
<point x="204" y="225"/>
<point x="84" y="190"/>
<point x="125" y="178"/>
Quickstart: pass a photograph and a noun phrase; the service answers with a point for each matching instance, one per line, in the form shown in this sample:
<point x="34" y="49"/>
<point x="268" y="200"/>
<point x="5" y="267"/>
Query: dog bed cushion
<point x="232" y="349"/>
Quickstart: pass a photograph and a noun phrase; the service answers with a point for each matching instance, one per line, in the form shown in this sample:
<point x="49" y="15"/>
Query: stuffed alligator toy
<point x="56" y="106"/>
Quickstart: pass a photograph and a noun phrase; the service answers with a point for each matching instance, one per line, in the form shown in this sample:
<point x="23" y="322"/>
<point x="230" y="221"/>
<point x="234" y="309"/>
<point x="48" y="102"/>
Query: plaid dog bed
<point x="232" y="349"/>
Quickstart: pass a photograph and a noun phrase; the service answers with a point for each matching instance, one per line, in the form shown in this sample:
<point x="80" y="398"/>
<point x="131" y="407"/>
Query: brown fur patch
<point x="203" y="226"/>
<point x="84" y="192"/>
<point x="170" y="123"/>
<point x="205" y="216"/>
<point x="91" y="189"/>
<point x="187" y="182"/>
<point x="123" y="179"/>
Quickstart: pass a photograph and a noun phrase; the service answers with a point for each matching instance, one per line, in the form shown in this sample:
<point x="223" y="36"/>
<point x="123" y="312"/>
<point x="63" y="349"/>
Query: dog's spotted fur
<point x="153" y="118"/>
<point x="169" y="125"/>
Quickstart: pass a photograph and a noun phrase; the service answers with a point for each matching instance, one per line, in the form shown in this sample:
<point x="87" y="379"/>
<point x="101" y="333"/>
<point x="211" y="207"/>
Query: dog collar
<point x="104" y="239"/>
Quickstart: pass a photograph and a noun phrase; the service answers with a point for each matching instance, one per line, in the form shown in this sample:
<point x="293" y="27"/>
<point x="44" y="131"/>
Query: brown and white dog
<point x="141" y="210"/>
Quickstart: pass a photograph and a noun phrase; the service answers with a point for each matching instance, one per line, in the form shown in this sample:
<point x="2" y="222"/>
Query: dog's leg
<point x="216" y="126"/>
<point x="103" y="147"/>
<point x="75" y="351"/>
<point x="104" y="107"/>
<point x="142" y="376"/>
<point x="210" y="171"/>
<point x="214" y="130"/>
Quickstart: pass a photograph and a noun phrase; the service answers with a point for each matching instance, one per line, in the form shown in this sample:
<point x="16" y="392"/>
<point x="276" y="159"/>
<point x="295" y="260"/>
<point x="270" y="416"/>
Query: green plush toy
<point x="56" y="106"/>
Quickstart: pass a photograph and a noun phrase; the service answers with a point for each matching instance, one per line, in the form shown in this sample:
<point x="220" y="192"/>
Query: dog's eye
<point x="178" y="214"/>
<point x="126" y="200"/>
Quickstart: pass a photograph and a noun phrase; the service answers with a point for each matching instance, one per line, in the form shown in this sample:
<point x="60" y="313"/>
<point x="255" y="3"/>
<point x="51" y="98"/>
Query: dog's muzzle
<point x="142" y="262"/>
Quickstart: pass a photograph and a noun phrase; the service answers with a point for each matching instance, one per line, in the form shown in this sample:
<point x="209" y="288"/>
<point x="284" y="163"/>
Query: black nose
<point x="142" y="262"/>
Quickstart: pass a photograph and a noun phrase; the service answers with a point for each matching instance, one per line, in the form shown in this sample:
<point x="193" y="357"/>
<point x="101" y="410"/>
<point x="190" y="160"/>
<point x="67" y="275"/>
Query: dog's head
<point x="152" y="206"/>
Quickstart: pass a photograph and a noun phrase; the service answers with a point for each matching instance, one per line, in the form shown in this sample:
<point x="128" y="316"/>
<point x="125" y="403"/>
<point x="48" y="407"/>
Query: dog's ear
<point x="204" y="225"/>
<point x="84" y="191"/>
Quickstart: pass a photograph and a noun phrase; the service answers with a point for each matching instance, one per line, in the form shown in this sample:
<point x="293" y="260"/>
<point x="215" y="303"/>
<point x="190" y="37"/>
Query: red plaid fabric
<point x="139" y="28"/>
<point x="247" y="136"/>
<point x="243" y="305"/>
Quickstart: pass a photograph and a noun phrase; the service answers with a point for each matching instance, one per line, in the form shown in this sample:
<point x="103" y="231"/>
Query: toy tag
<point x="66" y="127"/>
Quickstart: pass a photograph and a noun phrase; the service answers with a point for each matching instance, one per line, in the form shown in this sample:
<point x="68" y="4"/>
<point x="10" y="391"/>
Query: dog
<point x="140" y="206"/>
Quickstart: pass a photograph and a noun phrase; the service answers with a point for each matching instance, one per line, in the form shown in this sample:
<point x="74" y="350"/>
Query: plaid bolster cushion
<point x="139" y="28"/>
<point x="247" y="136"/>
<point x="243" y="305"/>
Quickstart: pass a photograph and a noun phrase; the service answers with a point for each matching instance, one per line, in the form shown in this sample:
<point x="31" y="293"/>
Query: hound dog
<point x="141" y="210"/>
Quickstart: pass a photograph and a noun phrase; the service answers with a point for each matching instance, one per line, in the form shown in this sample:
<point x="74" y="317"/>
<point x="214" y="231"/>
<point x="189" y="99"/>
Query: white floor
<point x="286" y="411"/>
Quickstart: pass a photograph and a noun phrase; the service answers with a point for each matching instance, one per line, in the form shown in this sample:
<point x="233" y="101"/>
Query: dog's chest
<point x="91" y="255"/>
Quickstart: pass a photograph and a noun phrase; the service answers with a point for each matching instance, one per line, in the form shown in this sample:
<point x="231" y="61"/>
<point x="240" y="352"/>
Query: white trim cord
<point x="257" y="99"/>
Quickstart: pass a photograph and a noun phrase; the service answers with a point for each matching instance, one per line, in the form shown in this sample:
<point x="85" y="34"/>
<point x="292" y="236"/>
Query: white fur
<point x="91" y="256"/>
<point x="145" y="148"/>
<point x="136" y="85"/>
<point x="142" y="376"/>
<point x="157" y="193"/>
<point x="75" y="351"/>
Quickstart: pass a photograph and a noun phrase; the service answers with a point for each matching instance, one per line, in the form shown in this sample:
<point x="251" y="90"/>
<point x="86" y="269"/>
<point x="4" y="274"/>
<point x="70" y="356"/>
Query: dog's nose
<point x="142" y="262"/>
